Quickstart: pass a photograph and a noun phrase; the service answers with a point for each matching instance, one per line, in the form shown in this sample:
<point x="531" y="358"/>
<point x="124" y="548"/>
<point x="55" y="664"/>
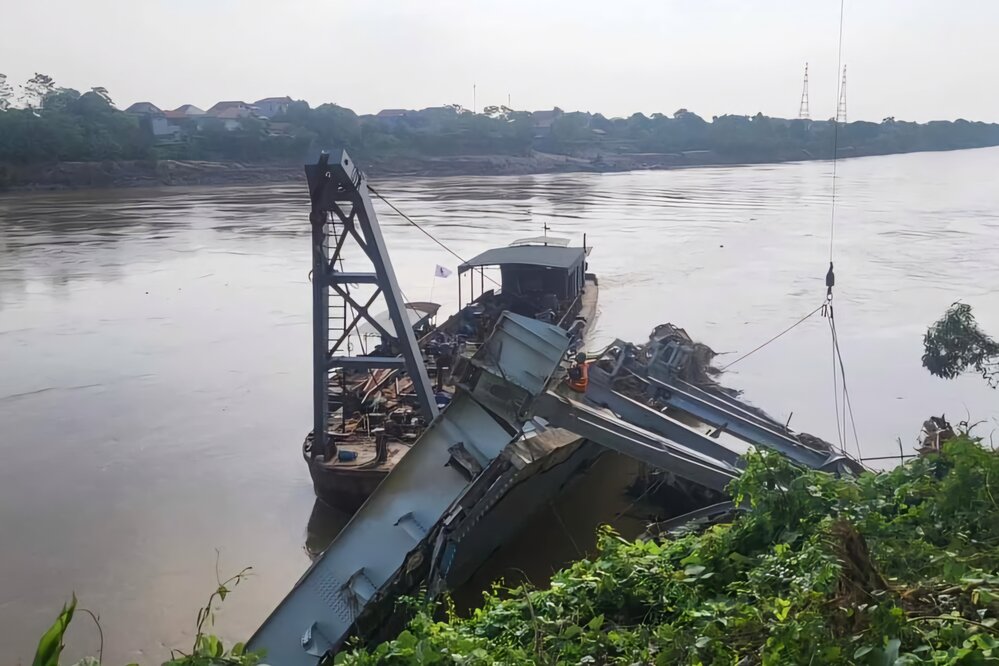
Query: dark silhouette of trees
<point x="46" y="123"/>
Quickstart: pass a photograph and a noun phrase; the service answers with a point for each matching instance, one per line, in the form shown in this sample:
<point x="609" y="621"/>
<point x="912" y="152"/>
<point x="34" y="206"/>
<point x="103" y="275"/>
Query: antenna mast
<point x="841" y="107"/>
<point x="803" y="107"/>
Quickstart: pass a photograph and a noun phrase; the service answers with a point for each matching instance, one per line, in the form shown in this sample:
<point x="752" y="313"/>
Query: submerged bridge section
<point x="504" y="446"/>
<point x="473" y="430"/>
<point x="656" y="372"/>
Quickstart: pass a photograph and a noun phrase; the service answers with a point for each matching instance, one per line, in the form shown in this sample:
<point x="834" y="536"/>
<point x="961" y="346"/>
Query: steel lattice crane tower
<point x="841" y="107"/>
<point x="803" y="107"/>
<point x="342" y="212"/>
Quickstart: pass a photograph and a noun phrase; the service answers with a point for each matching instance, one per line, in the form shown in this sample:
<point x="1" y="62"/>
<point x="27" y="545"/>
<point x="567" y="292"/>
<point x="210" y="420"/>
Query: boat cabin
<point x="541" y="281"/>
<point x="527" y="270"/>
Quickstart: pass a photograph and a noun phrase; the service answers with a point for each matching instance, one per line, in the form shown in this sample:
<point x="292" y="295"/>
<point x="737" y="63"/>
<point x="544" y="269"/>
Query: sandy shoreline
<point x="123" y="174"/>
<point x="81" y="175"/>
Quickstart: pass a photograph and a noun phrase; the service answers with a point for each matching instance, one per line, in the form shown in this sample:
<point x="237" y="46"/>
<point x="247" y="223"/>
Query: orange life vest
<point x="579" y="383"/>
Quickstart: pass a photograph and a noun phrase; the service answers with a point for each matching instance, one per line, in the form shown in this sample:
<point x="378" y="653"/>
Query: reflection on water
<point x="608" y="493"/>
<point x="154" y="347"/>
<point x="325" y="523"/>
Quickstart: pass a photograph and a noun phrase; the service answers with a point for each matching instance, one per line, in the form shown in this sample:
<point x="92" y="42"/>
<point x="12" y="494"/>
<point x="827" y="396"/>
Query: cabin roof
<point x="542" y="240"/>
<point x="528" y="255"/>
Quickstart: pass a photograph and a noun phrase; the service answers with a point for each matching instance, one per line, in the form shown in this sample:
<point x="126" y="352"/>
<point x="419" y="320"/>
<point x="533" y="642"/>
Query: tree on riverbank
<point x="62" y="125"/>
<point x="955" y="344"/>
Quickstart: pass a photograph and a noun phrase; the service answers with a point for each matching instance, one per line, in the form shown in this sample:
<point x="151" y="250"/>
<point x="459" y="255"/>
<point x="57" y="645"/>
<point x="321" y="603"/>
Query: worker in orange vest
<point x="579" y="374"/>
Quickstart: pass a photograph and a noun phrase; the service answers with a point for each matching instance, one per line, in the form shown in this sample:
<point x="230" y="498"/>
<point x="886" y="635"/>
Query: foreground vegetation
<point x="896" y="568"/>
<point x="892" y="568"/>
<point x="41" y="123"/>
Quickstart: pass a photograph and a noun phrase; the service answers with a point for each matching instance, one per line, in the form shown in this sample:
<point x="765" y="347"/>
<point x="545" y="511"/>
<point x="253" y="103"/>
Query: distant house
<point x="434" y="111"/>
<point x="231" y="118"/>
<point x="393" y="116"/>
<point x="143" y="108"/>
<point x="155" y="121"/>
<point x="269" y="107"/>
<point x="542" y="121"/>
<point x="431" y="119"/>
<point x="232" y="110"/>
<point x="184" y="112"/>
<point x="228" y="114"/>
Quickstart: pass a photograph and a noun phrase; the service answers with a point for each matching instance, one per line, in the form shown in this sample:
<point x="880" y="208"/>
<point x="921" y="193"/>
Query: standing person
<point x="579" y="374"/>
<point x="443" y="362"/>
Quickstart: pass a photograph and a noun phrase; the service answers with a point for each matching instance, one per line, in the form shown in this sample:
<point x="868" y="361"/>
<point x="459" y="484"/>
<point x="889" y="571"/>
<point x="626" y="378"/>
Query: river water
<point x="154" y="350"/>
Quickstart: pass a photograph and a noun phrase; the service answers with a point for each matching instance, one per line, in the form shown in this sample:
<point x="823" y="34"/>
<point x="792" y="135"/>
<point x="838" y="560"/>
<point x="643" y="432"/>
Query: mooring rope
<point x="773" y="339"/>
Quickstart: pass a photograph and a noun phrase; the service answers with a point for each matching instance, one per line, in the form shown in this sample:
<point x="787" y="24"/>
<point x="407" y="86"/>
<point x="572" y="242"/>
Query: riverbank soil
<point x="153" y="173"/>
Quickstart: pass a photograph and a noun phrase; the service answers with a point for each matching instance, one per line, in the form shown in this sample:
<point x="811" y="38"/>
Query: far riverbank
<point x="152" y="173"/>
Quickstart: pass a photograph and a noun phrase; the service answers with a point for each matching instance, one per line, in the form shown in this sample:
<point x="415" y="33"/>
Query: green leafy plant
<point x="50" y="646"/>
<point x="892" y="568"/>
<point x="955" y="344"/>
<point x="207" y="650"/>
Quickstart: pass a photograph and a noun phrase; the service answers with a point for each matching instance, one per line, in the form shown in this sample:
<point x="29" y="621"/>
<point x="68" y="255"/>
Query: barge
<point x="373" y="415"/>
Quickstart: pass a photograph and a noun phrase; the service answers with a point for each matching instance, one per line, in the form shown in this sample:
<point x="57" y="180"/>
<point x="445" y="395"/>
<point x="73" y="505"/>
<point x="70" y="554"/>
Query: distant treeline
<point x="60" y="124"/>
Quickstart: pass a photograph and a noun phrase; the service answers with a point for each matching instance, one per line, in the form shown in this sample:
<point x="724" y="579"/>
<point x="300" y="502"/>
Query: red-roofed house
<point x="230" y="114"/>
<point x="231" y="118"/>
<point x="184" y="112"/>
<point x="242" y="109"/>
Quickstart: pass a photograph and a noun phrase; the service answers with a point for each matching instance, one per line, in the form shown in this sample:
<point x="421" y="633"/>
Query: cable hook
<point x="827" y="308"/>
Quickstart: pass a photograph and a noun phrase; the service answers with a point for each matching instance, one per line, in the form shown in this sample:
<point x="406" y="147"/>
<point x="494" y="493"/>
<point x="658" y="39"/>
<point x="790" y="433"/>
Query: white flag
<point x="442" y="272"/>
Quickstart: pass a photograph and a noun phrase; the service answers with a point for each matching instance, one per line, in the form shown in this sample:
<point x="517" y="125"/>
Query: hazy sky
<point x="913" y="59"/>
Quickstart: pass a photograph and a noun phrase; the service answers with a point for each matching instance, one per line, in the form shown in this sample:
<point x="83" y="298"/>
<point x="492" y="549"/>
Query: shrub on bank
<point x="898" y="567"/>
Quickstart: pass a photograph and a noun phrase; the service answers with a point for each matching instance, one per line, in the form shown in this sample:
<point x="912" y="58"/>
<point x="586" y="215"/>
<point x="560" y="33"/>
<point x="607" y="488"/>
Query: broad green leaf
<point x="782" y="610"/>
<point x="891" y="652"/>
<point x="50" y="645"/>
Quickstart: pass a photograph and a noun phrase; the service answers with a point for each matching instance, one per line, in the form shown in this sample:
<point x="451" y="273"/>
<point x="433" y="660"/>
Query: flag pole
<point x="432" y="285"/>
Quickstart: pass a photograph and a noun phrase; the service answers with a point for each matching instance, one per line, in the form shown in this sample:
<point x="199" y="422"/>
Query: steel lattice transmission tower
<point x="841" y="107"/>
<point x="803" y="107"/>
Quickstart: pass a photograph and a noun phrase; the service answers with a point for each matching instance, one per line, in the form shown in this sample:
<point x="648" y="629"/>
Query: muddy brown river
<point x="154" y="350"/>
